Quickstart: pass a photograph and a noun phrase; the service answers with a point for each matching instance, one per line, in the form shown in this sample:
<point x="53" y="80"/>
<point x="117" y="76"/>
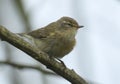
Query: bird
<point x="57" y="39"/>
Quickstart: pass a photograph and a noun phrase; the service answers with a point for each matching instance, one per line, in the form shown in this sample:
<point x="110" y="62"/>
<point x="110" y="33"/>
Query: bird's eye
<point x="67" y="24"/>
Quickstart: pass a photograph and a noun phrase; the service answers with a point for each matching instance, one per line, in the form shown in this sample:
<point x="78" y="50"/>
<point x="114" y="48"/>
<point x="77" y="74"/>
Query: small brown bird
<point x="56" y="39"/>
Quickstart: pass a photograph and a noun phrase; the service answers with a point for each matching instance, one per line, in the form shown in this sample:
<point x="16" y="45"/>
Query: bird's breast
<point x="61" y="47"/>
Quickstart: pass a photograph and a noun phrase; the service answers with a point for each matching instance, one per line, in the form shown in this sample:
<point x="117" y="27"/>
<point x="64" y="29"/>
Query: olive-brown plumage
<point x="56" y="39"/>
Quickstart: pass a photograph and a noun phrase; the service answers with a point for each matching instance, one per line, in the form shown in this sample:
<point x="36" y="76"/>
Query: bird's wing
<point x="39" y="33"/>
<point x="44" y="32"/>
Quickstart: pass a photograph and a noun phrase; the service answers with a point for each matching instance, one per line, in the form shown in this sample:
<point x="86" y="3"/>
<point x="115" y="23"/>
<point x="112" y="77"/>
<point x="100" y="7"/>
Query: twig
<point x="23" y="66"/>
<point x="40" y="56"/>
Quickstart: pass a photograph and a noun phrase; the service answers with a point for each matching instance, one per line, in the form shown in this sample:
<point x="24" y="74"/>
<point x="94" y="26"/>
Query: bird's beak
<point x="80" y="26"/>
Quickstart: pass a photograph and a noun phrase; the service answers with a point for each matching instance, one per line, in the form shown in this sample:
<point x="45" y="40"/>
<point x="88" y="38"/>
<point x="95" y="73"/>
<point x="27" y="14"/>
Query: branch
<point x="40" y="56"/>
<point x="23" y="66"/>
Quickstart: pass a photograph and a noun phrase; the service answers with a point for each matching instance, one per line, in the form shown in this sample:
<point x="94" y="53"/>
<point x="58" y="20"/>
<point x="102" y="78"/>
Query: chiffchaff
<point x="56" y="39"/>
